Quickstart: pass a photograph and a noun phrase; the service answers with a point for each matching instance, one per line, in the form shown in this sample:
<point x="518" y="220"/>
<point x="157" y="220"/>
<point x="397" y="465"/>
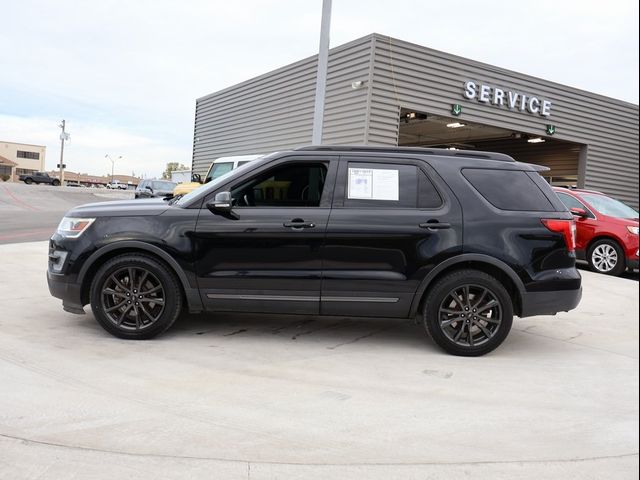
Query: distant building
<point x="20" y="158"/>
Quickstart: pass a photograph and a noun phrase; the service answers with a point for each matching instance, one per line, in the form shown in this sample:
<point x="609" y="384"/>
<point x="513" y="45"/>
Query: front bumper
<point x="66" y="289"/>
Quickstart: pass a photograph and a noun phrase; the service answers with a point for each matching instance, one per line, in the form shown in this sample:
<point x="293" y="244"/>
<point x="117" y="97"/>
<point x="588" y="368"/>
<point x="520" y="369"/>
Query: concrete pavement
<point x="32" y="212"/>
<point x="254" y="396"/>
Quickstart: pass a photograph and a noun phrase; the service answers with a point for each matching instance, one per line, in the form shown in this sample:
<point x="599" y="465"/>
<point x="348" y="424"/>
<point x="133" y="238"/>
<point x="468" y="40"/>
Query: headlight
<point x="74" y="227"/>
<point x="633" y="230"/>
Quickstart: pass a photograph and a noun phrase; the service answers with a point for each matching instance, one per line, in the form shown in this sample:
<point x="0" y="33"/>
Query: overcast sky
<point x="125" y="74"/>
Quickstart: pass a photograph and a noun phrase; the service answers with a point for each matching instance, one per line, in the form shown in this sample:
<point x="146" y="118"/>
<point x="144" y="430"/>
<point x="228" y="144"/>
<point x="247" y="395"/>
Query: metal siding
<point x="275" y="111"/>
<point x="416" y="77"/>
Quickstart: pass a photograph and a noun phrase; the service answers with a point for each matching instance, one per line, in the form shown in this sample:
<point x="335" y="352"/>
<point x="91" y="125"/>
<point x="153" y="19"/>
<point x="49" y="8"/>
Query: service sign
<point x="507" y="98"/>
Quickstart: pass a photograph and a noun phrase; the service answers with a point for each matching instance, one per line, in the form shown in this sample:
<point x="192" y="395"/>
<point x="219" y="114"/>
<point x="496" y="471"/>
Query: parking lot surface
<point x="32" y="212"/>
<point x="256" y="396"/>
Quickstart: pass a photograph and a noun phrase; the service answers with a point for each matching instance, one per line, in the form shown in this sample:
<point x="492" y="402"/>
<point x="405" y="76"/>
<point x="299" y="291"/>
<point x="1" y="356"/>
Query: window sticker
<point x="373" y="184"/>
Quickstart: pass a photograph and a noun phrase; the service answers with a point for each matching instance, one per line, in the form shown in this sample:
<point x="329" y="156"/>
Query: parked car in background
<point x="38" y="178"/>
<point x="607" y="230"/>
<point x="116" y="185"/>
<point x="218" y="168"/>
<point x="154" y="188"/>
<point x="462" y="240"/>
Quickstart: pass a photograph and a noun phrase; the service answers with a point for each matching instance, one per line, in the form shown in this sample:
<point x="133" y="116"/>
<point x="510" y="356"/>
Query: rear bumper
<point x="550" y="303"/>
<point x="66" y="289"/>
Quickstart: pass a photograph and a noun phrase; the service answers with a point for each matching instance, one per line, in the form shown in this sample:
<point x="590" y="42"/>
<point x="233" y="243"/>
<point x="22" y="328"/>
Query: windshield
<point x="213" y="184"/>
<point x="217" y="170"/>
<point x="609" y="206"/>
<point x="158" y="185"/>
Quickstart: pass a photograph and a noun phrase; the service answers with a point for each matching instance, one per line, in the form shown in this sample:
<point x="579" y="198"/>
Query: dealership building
<point x="384" y="91"/>
<point x="20" y="158"/>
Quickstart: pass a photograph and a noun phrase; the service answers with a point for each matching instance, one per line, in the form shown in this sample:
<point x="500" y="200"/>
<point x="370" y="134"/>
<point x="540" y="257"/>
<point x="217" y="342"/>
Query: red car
<point x="607" y="230"/>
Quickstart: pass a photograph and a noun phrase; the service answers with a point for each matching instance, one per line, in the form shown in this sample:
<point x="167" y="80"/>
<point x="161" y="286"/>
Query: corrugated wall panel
<point x="275" y="111"/>
<point x="415" y="77"/>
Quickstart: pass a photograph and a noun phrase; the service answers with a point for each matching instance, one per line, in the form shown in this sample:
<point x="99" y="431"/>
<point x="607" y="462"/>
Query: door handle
<point x="298" y="224"/>
<point x="435" y="225"/>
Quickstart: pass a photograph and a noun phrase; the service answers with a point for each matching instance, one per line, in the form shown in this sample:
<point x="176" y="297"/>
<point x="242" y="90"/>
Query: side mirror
<point x="196" y="178"/>
<point x="147" y="187"/>
<point x="579" y="212"/>
<point x="221" y="205"/>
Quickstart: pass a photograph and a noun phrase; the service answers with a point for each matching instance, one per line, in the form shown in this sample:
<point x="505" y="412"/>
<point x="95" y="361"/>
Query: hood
<point x="619" y="221"/>
<point x="121" y="208"/>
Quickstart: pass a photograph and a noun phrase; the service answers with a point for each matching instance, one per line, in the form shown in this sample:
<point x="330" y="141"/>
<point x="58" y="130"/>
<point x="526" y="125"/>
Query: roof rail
<point x="416" y="150"/>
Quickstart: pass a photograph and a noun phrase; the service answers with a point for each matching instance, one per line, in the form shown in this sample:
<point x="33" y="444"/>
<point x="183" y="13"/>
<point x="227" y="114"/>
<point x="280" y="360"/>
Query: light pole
<point x="63" y="136"/>
<point x="113" y="163"/>
<point x="321" y="77"/>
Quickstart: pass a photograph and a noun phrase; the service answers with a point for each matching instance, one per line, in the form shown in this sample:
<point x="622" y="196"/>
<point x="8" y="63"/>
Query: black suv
<point x="463" y="239"/>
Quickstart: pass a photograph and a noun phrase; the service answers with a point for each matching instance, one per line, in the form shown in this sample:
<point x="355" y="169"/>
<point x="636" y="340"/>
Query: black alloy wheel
<point x="468" y="312"/>
<point x="135" y="296"/>
<point x="28" y="181"/>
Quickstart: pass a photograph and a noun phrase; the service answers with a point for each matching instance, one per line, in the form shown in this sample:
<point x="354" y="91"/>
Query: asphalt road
<point x="32" y="212"/>
<point x="288" y="397"/>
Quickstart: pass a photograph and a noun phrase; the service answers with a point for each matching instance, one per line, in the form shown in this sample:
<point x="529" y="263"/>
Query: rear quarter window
<point x="508" y="189"/>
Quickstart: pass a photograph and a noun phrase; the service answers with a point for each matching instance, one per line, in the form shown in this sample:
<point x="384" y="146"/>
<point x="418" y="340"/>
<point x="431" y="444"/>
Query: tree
<point x="172" y="166"/>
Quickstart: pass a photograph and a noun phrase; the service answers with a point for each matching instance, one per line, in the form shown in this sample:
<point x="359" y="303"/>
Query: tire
<point x="55" y="183"/>
<point x="607" y="256"/>
<point x="113" y="297"/>
<point x="474" y="290"/>
<point x="28" y="181"/>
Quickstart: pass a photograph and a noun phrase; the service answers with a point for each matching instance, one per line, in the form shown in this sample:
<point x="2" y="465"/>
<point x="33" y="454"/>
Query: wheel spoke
<point x="484" y="329"/>
<point x="117" y="282"/>
<point x="454" y="295"/>
<point x="111" y="291"/>
<point x="487" y="306"/>
<point x="153" y="290"/>
<point x="115" y="307"/>
<point x="146" y="312"/>
<point x="490" y="320"/>
<point x="460" y="332"/>
<point x="130" y="269"/>
<point x="479" y="301"/>
<point x="465" y="294"/>
<point x="449" y="321"/>
<point x="158" y="301"/>
<point x="142" y="279"/>
<point x="449" y="311"/>
<point x="123" y="314"/>
<point x="470" y="336"/>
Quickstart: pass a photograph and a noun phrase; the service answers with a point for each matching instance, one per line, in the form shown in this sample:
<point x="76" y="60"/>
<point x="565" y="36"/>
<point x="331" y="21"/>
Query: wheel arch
<point x="100" y="256"/>
<point x="484" y="263"/>
<point x="604" y="236"/>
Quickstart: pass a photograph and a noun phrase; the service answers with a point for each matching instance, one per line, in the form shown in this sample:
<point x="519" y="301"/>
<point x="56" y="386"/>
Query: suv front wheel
<point x="468" y="313"/>
<point x="606" y="256"/>
<point x="135" y="296"/>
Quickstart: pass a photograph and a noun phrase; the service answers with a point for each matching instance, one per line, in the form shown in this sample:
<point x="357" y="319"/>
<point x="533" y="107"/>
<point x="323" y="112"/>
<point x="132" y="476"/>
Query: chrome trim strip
<point x="281" y="298"/>
<point x="360" y="299"/>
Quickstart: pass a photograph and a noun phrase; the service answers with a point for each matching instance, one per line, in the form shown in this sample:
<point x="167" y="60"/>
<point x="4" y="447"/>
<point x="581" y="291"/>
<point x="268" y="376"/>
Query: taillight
<point x="566" y="228"/>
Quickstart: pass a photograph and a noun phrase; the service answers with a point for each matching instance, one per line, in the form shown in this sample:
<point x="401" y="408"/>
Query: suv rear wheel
<point x="468" y="313"/>
<point x="606" y="256"/>
<point x="135" y="296"/>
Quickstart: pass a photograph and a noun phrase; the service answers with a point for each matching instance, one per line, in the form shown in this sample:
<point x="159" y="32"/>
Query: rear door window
<point x="508" y="189"/>
<point x="381" y="185"/>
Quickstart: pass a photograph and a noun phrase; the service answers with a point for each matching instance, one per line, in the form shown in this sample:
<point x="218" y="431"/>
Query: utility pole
<point x="321" y="79"/>
<point x="63" y="136"/>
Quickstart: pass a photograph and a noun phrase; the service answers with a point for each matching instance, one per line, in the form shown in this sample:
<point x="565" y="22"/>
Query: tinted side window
<point x="428" y="196"/>
<point x="569" y="201"/>
<point x="290" y="185"/>
<point x="381" y="185"/>
<point x="508" y="189"/>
